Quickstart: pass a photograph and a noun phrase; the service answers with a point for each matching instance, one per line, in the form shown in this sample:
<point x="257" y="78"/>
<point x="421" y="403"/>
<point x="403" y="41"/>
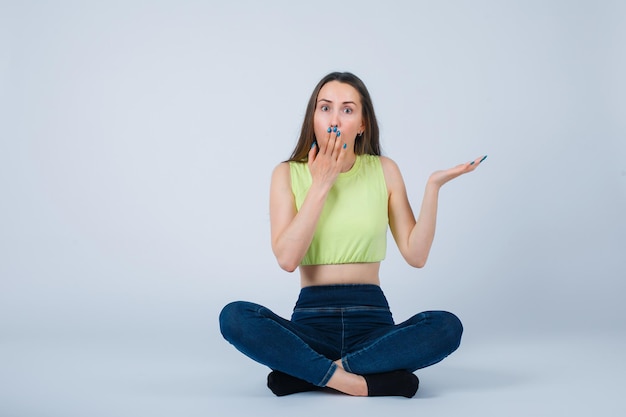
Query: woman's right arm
<point x="292" y="230"/>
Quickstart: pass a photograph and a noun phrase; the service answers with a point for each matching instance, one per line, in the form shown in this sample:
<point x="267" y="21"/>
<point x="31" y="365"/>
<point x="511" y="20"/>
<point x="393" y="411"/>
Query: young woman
<point x="330" y="206"/>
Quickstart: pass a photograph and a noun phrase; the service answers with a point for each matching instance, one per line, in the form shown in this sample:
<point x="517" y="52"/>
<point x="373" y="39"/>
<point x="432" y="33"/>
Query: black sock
<point x="395" y="383"/>
<point x="283" y="384"/>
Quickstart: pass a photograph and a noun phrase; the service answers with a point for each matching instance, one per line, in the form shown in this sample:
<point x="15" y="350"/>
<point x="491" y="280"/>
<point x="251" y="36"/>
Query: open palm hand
<point x="439" y="178"/>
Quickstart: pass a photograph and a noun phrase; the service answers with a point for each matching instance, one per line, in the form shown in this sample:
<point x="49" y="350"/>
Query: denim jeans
<point x="348" y="322"/>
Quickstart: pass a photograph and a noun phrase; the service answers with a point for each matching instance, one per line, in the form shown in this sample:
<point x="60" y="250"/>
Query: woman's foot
<point x="284" y="384"/>
<point x="395" y="383"/>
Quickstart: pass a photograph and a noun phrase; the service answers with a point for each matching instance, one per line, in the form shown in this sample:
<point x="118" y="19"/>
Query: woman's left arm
<point x="415" y="237"/>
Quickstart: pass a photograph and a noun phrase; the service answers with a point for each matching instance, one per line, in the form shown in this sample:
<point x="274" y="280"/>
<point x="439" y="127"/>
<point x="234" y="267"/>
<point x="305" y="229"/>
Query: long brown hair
<point x="367" y="143"/>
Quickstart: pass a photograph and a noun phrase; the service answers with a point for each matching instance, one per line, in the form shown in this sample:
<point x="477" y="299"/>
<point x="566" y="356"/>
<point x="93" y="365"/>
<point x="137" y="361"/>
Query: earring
<point x="359" y="135"/>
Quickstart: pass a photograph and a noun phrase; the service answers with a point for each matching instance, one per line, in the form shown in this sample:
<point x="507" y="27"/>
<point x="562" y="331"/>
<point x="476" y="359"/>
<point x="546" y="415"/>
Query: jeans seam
<point x="343" y="334"/>
<point x="346" y="366"/>
<point x="329" y="374"/>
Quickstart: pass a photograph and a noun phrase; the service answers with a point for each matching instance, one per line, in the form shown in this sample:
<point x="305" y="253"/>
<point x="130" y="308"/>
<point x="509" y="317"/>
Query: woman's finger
<point x="338" y="144"/>
<point x="478" y="160"/>
<point x="332" y="142"/>
<point x="313" y="152"/>
<point x="328" y="148"/>
<point x="342" y="152"/>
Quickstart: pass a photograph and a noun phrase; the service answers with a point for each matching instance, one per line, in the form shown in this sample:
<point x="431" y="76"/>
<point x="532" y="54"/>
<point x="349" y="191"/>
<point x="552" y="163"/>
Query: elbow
<point x="416" y="262"/>
<point x="288" y="265"/>
<point x="420" y="264"/>
<point x="415" y="257"/>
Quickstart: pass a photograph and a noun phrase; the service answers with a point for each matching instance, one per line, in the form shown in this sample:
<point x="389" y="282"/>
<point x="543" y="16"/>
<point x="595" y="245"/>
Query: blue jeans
<point x="348" y="322"/>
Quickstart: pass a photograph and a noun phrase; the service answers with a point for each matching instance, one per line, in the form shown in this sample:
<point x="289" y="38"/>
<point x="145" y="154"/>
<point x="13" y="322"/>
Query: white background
<point x="137" y="139"/>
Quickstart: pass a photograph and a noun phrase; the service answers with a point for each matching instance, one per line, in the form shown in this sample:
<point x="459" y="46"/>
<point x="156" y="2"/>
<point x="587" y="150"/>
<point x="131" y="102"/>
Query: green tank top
<point x="353" y="225"/>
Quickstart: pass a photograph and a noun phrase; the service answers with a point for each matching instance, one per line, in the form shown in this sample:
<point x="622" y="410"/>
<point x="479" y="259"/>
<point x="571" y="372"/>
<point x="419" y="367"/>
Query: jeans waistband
<point x="342" y="296"/>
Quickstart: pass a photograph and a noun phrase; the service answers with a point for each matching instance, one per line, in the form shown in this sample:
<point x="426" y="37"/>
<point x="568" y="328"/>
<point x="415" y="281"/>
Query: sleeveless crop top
<point x="353" y="224"/>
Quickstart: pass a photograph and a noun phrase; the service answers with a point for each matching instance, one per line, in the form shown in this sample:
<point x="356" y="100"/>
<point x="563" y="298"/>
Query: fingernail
<point x="344" y="145"/>
<point x="472" y="163"/>
<point x="313" y="144"/>
<point x="338" y="133"/>
<point x="328" y="130"/>
<point x="484" y="157"/>
<point x="334" y="128"/>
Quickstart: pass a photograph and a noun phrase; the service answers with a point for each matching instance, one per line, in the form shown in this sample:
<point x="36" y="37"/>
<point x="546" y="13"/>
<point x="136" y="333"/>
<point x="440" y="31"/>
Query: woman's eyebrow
<point x="330" y="101"/>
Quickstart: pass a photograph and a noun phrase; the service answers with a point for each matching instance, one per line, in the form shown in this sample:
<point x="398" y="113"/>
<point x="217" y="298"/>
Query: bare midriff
<point x="359" y="273"/>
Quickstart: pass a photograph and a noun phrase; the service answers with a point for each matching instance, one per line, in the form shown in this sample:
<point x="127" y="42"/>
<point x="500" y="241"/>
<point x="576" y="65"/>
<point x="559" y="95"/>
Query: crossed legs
<point x="382" y="366"/>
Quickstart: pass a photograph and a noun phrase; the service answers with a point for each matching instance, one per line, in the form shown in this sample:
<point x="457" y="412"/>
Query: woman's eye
<point x="324" y="108"/>
<point x="347" y="110"/>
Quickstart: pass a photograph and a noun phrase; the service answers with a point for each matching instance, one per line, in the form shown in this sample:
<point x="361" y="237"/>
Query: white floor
<point x="187" y="376"/>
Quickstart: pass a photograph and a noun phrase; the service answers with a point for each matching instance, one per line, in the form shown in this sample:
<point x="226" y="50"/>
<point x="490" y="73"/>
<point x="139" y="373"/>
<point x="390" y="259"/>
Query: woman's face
<point x="338" y="104"/>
